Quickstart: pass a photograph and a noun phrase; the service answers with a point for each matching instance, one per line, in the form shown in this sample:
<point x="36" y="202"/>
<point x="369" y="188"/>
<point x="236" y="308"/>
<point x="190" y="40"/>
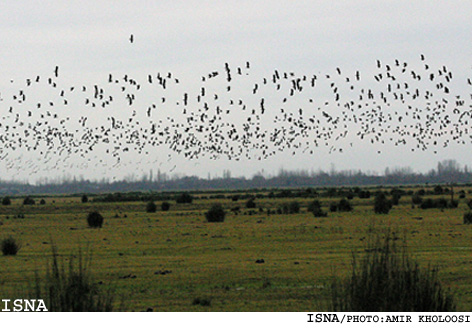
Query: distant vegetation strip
<point x="448" y="171"/>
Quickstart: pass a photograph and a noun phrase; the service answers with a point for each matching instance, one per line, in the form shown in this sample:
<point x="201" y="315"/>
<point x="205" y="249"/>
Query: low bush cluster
<point x="440" y="203"/>
<point x="289" y="208"/>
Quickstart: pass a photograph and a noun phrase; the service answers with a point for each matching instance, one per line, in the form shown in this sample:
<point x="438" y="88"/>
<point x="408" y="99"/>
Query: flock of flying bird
<point x="231" y="114"/>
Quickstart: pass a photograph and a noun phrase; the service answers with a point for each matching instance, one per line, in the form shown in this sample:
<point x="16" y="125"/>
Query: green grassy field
<point x="217" y="261"/>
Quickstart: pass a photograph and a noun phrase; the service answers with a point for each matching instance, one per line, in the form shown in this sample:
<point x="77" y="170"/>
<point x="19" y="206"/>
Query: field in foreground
<point x="167" y="260"/>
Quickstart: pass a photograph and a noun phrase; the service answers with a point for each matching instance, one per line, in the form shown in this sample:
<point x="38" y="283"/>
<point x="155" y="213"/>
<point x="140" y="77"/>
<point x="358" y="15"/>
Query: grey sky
<point x="89" y="39"/>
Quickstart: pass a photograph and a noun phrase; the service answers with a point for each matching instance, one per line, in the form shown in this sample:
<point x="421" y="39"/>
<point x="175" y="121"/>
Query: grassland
<point x="167" y="260"/>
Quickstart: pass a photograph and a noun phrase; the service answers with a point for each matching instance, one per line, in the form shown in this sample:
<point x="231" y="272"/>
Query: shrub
<point x="469" y="203"/>
<point x="396" y="198"/>
<point x="364" y="194"/>
<point x="165" y="206"/>
<point x="421" y="192"/>
<point x="95" y="220"/>
<point x="438" y="190"/>
<point x="381" y="204"/>
<point x="184" y="198"/>
<point x="316" y="210"/>
<point x="42" y="202"/>
<point x="453" y="203"/>
<point x="349" y="195"/>
<point x="333" y="207"/>
<point x="71" y="288"/>
<point x="28" y="201"/>
<point x="84" y="198"/>
<point x="151" y="207"/>
<point x="289" y="208"/>
<point x="319" y="213"/>
<point x="215" y="214"/>
<point x="387" y="280"/>
<point x="251" y="203"/>
<point x="440" y="203"/>
<point x="314" y="204"/>
<point x="10" y="246"/>
<point x="294" y="207"/>
<point x="416" y="199"/>
<point x="344" y="205"/>
<point x="468" y="218"/>
<point x="427" y="203"/>
<point x="6" y="201"/>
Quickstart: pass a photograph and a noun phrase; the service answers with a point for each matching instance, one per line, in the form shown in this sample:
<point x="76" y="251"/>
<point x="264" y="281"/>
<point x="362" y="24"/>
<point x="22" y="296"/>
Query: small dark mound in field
<point x="201" y="301"/>
<point x="260" y="261"/>
<point x="129" y="276"/>
<point x="163" y="272"/>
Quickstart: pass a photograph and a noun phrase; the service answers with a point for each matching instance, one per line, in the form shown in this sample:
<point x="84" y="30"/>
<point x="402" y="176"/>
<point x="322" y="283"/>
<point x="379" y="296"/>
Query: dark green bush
<point x="416" y="199"/>
<point x="315" y="208"/>
<point x="184" y="198"/>
<point x="350" y="195"/>
<point x="396" y="199"/>
<point x="364" y="194"/>
<point x="344" y="205"/>
<point x="6" y="201"/>
<point x="314" y="204"/>
<point x="165" y="206"/>
<point x="28" y="201"/>
<point x="468" y="218"/>
<point x="294" y="207"/>
<point x="84" y="198"/>
<point x="381" y="204"/>
<point x="333" y="207"/>
<point x="151" y="207"/>
<point x="42" y="202"/>
<point x="215" y="214"/>
<point x="453" y="203"/>
<point x="95" y="219"/>
<point x="289" y="208"/>
<point x="251" y="203"/>
<point x="10" y="246"/>
<point x="387" y="280"/>
<point x="440" y="203"/>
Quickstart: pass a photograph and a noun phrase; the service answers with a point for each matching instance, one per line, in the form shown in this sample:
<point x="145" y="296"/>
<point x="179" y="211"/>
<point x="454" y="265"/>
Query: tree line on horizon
<point x="448" y="171"/>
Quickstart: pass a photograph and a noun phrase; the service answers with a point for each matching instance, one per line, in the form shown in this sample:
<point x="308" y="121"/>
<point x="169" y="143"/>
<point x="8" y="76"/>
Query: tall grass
<point x="70" y="288"/>
<point x="387" y="279"/>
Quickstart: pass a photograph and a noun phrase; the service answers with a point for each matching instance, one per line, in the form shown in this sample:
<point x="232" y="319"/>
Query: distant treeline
<point x="448" y="171"/>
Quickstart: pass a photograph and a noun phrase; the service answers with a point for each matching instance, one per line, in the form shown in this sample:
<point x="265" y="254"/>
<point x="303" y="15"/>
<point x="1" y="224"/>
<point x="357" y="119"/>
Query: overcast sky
<point x="90" y="39"/>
